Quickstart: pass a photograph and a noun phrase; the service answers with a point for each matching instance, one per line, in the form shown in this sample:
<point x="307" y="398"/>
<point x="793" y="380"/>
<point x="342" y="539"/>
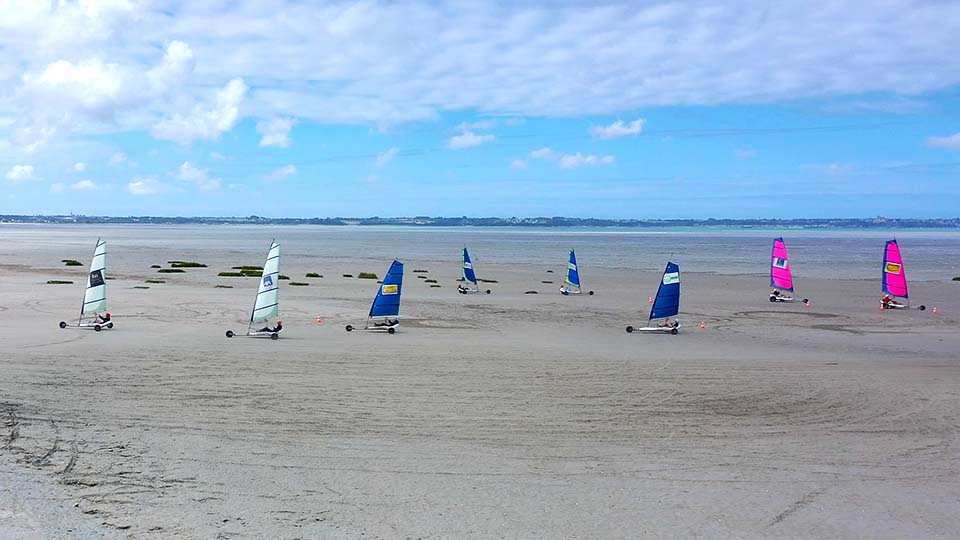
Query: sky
<point x="641" y="109"/>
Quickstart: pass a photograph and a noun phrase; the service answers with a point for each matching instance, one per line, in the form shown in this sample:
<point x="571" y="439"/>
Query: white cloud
<point x="145" y="186"/>
<point x="952" y="142"/>
<point x="543" y="153"/>
<point x="197" y="176"/>
<point x="518" y="164"/>
<point x="746" y="154"/>
<point x="205" y="122"/>
<point x="468" y="139"/>
<point x="217" y="156"/>
<point x="276" y="131"/>
<point x="618" y="129"/>
<point x="118" y="159"/>
<point x="833" y="169"/>
<point x="79" y="166"/>
<point x="481" y="125"/>
<point x="573" y="161"/>
<point x="87" y="185"/>
<point x="282" y="172"/>
<point x="57" y="187"/>
<point x="386" y="157"/>
<point x="20" y="173"/>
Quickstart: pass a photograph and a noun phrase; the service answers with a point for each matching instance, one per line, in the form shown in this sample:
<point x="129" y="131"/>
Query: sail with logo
<point x="781" y="277"/>
<point x="666" y="305"/>
<point x="384" y="315"/>
<point x="571" y="283"/>
<point x="93" y="311"/>
<point x="469" y="276"/>
<point x="894" y="279"/>
<point x="266" y="306"/>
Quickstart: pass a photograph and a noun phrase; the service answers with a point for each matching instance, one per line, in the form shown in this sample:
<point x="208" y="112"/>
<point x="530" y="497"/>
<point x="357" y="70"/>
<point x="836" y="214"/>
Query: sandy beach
<point x="507" y="415"/>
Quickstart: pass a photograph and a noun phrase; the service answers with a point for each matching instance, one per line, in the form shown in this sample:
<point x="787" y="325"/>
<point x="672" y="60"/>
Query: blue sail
<point x="468" y="273"/>
<point x="387" y="302"/>
<point x="573" y="275"/>
<point x="667" y="302"/>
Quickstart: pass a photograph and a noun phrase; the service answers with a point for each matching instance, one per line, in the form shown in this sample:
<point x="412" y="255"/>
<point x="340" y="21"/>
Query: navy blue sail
<point x="573" y="275"/>
<point x="667" y="302"/>
<point x="468" y="273"/>
<point x="387" y="302"/>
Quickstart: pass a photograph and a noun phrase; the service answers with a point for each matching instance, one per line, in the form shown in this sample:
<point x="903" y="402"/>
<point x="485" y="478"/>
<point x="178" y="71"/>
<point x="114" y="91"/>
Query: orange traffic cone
<point x="319" y="320"/>
<point x="702" y="325"/>
<point x="650" y="300"/>
<point x="935" y="311"/>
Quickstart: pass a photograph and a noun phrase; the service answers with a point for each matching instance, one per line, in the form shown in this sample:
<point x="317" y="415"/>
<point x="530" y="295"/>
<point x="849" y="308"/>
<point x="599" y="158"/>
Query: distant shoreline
<point x="535" y="222"/>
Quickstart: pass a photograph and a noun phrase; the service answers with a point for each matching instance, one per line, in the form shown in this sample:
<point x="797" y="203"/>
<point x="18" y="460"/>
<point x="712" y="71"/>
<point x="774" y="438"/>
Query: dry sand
<point x="500" y="416"/>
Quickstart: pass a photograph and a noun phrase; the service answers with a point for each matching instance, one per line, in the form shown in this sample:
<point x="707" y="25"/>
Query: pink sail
<point x="780" y="276"/>
<point x="894" y="277"/>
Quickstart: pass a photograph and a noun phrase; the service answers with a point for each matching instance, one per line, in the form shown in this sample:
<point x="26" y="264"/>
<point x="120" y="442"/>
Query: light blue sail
<point x="573" y="275"/>
<point x="468" y="274"/>
<point x="667" y="302"/>
<point x="387" y="301"/>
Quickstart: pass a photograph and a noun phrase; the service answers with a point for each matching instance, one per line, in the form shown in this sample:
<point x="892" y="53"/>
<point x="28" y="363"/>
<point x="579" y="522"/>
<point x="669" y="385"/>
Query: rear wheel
<point x="96" y="328"/>
<point x="674" y="331"/>
<point x="109" y="325"/>
<point x="629" y="329"/>
<point x="773" y="298"/>
<point x="230" y="333"/>
<point x="349" y="328"/>
<point x="63" y="324"/>
<point x="806" y="300"/>
<point x="923" y="307"/>
<point x="590" y="293"/>
<point x="391" y="331"/>
<point x="488" y="291"/>
<point x="274" y="336"/>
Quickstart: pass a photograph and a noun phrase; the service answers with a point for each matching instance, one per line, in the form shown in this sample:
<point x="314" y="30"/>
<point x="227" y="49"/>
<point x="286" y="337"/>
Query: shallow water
<point x="841" y="253"/>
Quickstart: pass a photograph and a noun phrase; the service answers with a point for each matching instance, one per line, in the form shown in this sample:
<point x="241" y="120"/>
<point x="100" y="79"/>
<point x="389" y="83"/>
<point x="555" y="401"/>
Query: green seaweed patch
<point x="549" y="271"/>
<point x="956" y="278"/>
<point x="59" y="282"/>
<point x="435" y="286"/>
<point x="430" y="281"/>
<point x="367" y="275"/>
<point x="154" y="281"/>
<point x="71" y="262"/>
<point x="155" y="266"/>
<point x="313" y="275"/>
<point x="421" y="277"/>
<point x="548" y="282"/>
<point x="186" y="264"/>
<point x="488" y="281"/>
<point x="284" y="277"/>
<point x="531" y="292"/>
<point x="223" y="286"/>
<point x="140" y="287"/>
<point x="248" y="268"/>
<point x="347" y="275"/>
<point x="109" y="278"/>
<point x="231" y="274"/>
<point x="298" y="284"/>
<point x="419" y="271"/>
<point x="172" y="271"/>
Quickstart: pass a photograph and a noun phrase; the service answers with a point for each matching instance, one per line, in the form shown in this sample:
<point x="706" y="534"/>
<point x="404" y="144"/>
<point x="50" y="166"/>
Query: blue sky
<point x="613" y="109"/>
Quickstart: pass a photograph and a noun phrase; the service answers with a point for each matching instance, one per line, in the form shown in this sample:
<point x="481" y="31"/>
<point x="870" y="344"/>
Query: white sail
<point x="267" y="305"/>
<point x="95" y="297"/>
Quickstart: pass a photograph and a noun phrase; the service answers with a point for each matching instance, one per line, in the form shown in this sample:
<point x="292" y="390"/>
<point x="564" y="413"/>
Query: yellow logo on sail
<point x="389" y="289"/>
<point x="893" y="268"/>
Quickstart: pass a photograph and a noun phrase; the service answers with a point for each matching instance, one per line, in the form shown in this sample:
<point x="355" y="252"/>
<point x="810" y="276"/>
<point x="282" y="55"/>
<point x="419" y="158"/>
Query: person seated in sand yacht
<point x="388" y="322"/>
<point x="105" y="318"/>
<point x="775" y="293"/>
<point x="273" y="330"/>
<point x="667" y="323"/>
<point x="886" y="301"/>
<point x="563" y="290"/>
<point x="461" y="288"/>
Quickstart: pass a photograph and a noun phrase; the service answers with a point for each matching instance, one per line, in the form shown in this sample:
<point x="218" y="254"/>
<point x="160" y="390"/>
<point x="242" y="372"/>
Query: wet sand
<point x="507" y="415"/>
